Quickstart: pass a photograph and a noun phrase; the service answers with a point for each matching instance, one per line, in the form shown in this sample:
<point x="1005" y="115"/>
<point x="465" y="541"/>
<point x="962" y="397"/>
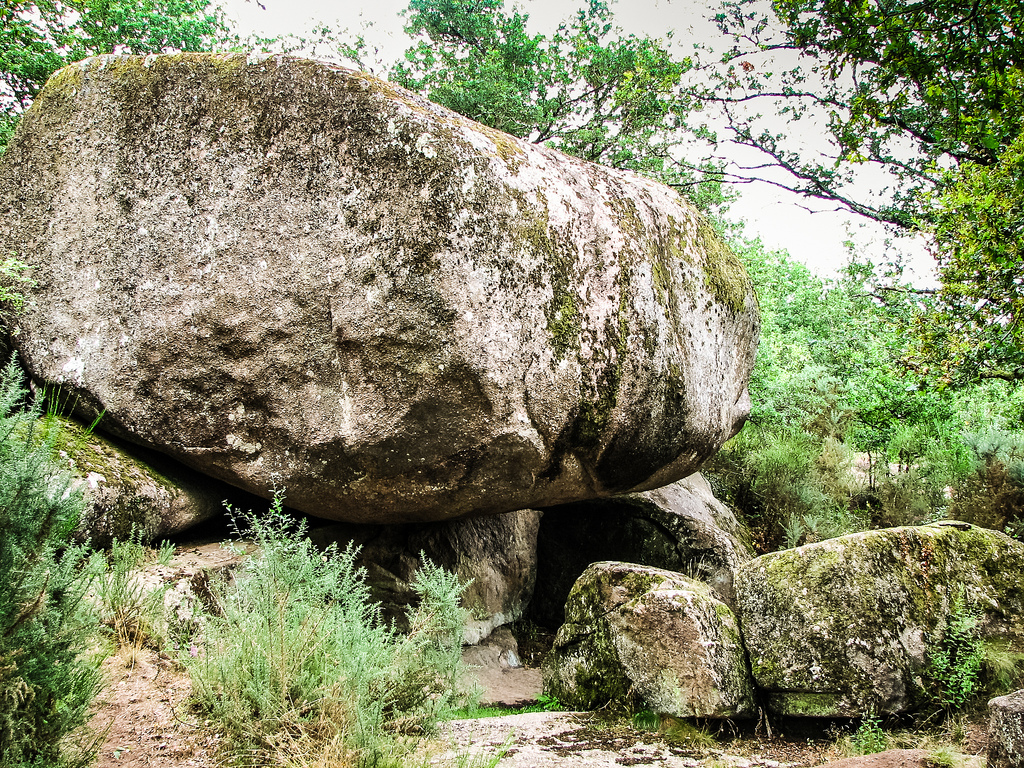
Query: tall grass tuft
<point x="296" y="661"/>
<point x="127" y="607"/>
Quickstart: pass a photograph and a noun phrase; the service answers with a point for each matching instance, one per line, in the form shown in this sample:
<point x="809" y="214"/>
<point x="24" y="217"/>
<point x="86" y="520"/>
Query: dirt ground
<point x="143" y="714"/>
<point x="145" y="721"/>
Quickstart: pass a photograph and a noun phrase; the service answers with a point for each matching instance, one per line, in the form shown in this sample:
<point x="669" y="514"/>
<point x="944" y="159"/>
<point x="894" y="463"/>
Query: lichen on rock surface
<point x="127" y="495"/>
<point x="285" y="273"/>
<point x="656" y="636"/>
<point x="1006" y="731"/>
<point x="844" y="627"/>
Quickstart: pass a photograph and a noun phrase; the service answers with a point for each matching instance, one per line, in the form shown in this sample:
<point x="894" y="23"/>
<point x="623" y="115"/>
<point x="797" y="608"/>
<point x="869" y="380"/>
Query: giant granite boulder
<point x="681" y="527"/>
<point x="645" y="635"/>
<point x="849" y="626"/>
<point x="279" y="271"/>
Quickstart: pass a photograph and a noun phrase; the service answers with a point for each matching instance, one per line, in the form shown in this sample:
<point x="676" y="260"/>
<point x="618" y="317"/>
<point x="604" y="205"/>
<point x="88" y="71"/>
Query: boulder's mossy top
<point x="844" y="627"/>
<point x="282" y="272"/>
<point x="127" y="496"/>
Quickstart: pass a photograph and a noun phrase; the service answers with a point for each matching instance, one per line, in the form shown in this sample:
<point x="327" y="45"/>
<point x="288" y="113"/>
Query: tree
<point x="977" y="220"/>
<point x="928" y="93"/>
<point x="38" y="37"/>
<point x="586" y="89"/>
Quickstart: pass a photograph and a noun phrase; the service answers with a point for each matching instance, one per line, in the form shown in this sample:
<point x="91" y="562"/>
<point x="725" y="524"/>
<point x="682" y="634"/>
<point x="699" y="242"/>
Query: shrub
<point x="46" y="685"/>
<point x="903" y="498"/>
<point x="297" y="659"/>
<point x="992" y="495"/>
<point x="130" y="610"/>
<point x="791" y="488"/>
<point x="868" y="739"/>
<point x="955" y="658"/>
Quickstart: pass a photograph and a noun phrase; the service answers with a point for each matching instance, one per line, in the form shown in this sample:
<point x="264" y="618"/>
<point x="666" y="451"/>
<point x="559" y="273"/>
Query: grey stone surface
<point x="845" y="627"/>
<point x="653" y="636"/>
<point x="493" y="665"/>
<point x="1006" y="731"/>
<point x="285" y="273"/>
<point x="495" y="555"/>
<point x="681" y="527"/>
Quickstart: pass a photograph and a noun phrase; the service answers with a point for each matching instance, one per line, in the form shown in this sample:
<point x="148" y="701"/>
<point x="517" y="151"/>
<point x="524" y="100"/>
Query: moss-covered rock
<point x="651" y="634"/>
<point x="845" y="627"/>
<point x="129" y="490"/>
<point x="285" y="273"/>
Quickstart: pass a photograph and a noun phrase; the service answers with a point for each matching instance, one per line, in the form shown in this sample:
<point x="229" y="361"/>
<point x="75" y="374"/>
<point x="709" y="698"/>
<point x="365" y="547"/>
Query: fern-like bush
<point x="46" y="685"/>
<point x="955" y="659"/>
<point x="295" y="660"/>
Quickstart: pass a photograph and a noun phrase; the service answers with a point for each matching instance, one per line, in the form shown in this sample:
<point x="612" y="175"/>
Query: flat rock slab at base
<point x="845" y="627"/>
<point x="1006" y="731"/>
<point x="287" y="274"/>
<point x="558" y="740"/>
<point x="582" y="740"/>
<point x="890" y="758"/>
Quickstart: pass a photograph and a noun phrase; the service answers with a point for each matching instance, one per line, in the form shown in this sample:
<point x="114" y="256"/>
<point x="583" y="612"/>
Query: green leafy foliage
<point x="46" y="684"/>
<point x="977" y="330"/>
<point x="841" y="436"/>
<point x="586" y="89"/>
<point x="922" y="101"/>
<point x="297" y="661"/>
<point x="14" y="280"/>
<point x="868" y="739"/>
<point x="956" y="656"/>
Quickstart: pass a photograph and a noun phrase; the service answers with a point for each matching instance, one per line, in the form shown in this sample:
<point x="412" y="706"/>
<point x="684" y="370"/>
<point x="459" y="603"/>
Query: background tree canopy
<point x="928" y="93"/>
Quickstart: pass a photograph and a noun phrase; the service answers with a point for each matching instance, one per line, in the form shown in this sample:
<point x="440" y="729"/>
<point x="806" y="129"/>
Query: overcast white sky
<point x="777" y="217"/>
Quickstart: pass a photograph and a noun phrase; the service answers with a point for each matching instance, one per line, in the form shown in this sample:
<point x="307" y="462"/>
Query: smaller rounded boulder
<point x="651" y="633"/>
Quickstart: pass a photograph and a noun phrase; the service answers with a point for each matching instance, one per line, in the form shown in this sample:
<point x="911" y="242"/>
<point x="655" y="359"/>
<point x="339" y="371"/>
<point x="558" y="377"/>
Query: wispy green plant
<point x="944" y="756"/>
<point x="954" y="659"/>
<point x="685" y="734"/>
<point x="1002" y="668"/>
<point x="129" y="608"/>
<point x="46" y="683"/>
<point x="165" y="552"/>
<point x="296" y="659"/>
<point x="646" y="720"/>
